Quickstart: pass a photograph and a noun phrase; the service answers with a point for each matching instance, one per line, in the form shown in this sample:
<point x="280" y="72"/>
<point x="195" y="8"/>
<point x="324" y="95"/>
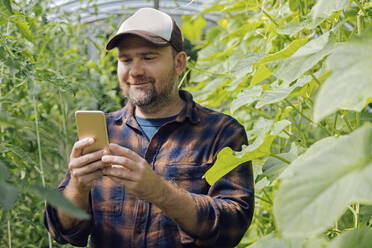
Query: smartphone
<point x="92" y="124"/>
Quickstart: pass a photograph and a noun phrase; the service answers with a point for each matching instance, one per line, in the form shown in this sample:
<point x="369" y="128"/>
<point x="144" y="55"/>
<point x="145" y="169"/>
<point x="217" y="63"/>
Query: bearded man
<point x="164" y="143"/>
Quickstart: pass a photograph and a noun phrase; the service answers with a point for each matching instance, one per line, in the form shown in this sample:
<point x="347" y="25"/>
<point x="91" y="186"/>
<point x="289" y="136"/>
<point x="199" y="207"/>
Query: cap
<point x="152" y="25"/>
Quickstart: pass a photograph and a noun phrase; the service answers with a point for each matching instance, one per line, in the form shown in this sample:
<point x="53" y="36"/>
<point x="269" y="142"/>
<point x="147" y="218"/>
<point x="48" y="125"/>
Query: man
<point x="161" y="144"/>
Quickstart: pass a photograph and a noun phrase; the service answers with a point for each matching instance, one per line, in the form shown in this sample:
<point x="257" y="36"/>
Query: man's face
<point x="147" y="74"/>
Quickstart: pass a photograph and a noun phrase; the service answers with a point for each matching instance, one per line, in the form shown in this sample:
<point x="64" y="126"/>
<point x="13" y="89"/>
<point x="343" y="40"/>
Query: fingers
<point x="90" y="168"/>
<point x="126" y="162"/>
<point x="85" y="159"/>
<point x="79" y="145"/>
<point x="119" y="174"/>
<point x="120" y="150"/>
<point x="89" y="178"/>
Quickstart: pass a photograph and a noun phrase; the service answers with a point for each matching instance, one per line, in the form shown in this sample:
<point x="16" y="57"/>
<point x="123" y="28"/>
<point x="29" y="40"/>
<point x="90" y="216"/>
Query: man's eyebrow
<point x="140" y="54"/>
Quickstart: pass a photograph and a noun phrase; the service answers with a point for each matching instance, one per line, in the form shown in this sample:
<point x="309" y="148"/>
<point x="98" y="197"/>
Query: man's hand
<point x="133" y="172"/>
<point x="137" y="176"/>
<point x="84" y="169"/>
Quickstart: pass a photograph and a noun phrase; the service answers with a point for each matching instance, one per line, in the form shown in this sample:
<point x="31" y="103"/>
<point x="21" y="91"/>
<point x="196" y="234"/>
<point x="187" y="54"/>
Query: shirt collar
<point x="189" y="111"/>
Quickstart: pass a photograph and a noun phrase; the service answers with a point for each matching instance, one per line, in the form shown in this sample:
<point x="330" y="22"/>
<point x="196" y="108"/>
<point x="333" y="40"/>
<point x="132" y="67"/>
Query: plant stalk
<point x="280" y="158"/>
<point x="356" y="215"/>
<point x="40" y="158"/>
<point x="344" y="117"/>
<point x="9" y="236"/>
<point x="361" y="7"/>
<point x="307" y="118"/>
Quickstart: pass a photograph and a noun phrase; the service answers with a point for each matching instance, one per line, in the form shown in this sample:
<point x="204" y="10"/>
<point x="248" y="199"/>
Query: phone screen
<point x="92" y="124"/>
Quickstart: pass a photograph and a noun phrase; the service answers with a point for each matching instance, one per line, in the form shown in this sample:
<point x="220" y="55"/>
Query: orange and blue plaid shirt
<point x="181" y="151"/>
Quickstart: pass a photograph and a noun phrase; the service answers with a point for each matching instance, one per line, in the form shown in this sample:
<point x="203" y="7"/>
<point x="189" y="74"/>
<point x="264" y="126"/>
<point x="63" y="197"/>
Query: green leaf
<point x="8" y="5"/>
<point x="192" y="29"/>
<point x="261" y="74"/>
<point x="278" y="93"/>
<point x="273" y="167"/>
<point x="286" y="52"/>
<point x="57" y="200"/>
<point x="8" y="195"/>
<point x="320" y="184"/>
<point x="24" y="28"/>
<point x="305" y="58"/>
<point x="228" y="159"/>
<point x="360" y="238"/>
<point x="325" y="8"/>
<point x="246" y="97"/>
<point x="276" y="241"/>
<point x="350" y="85"/>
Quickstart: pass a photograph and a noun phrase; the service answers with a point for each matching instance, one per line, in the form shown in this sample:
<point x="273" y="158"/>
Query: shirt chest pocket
<point x="107" y="197"/>
<point x="188" y="177"/>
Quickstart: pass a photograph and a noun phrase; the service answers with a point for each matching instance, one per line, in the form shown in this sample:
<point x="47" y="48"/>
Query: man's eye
<point x="149" y="58"/>
<point x="126" y="60"/>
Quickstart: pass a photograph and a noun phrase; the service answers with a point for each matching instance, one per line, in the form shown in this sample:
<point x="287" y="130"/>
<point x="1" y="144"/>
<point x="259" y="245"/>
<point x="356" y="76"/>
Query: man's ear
<point x="180" y="60"/>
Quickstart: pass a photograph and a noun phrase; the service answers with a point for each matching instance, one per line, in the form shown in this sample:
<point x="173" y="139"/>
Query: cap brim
<point x="154" y="39"/>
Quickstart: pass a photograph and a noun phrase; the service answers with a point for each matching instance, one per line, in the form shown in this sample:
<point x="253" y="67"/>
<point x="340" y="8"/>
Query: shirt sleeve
<point x="225" y="214"/>
<point x="78" y="235"/>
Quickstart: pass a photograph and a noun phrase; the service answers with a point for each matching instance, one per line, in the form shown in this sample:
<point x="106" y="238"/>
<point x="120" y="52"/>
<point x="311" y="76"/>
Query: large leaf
<point x="56" y="199"/>
<point x="273" y="167"/>
<point x="263" y="135"/>
<point x="319" y="185"/>
<point x="350" y="85"/>
<point x="246" y="97"/>
<point x="325" y="8"/>
<point x="278" y="93"/>
<point x="275" y="241"/>
<point x="290" y="69"/>
<point x="358" y="238"/>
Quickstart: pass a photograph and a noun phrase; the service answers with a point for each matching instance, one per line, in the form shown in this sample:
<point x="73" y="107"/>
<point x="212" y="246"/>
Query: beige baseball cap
<point x="152" y="25"/>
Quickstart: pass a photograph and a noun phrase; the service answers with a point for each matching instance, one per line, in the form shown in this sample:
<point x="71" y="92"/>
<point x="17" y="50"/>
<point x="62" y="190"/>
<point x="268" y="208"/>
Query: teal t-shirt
<point x="151" y="125"/>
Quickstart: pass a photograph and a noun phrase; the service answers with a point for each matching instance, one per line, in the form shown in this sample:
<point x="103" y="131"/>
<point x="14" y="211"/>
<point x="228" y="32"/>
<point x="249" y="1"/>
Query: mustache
<point x="142" y="80"/>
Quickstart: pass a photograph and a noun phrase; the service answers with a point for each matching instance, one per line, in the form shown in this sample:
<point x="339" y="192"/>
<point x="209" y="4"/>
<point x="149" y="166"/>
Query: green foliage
<point x="297" y="75"/>
<point x="332" y="173"/>
<point x="48" y="69"/>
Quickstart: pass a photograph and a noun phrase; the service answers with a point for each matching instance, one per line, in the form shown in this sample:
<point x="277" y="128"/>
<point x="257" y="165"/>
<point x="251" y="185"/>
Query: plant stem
<point x="356" y="215"/>
<point x="280" y="158"/>
<point x="295" y="139"/>
<point x="315" y="79"/>
<point x="9" y="236"/>
<point x="335" y="121"/>
<point x="268" y="16"/>
<point x="40" y="157"/>
<point x="361" y="7"/>
<point x="268" y="197"/>
<point x="357" y="119"/>
<point x="307" y="118"/>
<point x="38" y="144"/>
<point x="262" y="199"/>
<point x="64" y="125"/>
<point x="344" y="117"/>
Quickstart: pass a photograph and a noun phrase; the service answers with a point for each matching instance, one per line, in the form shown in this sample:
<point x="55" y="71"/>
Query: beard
<point x="151" y="98"/>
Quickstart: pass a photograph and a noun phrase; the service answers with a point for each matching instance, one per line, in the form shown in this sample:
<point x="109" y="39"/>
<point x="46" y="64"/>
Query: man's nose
<point x="136" y="69"/>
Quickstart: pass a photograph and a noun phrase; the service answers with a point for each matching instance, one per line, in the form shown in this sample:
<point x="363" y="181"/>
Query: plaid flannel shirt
<point x="181" y="151"/>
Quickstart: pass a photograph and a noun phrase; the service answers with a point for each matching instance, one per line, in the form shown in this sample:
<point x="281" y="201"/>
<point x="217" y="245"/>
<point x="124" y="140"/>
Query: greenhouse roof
<point x="96" y="10"/>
